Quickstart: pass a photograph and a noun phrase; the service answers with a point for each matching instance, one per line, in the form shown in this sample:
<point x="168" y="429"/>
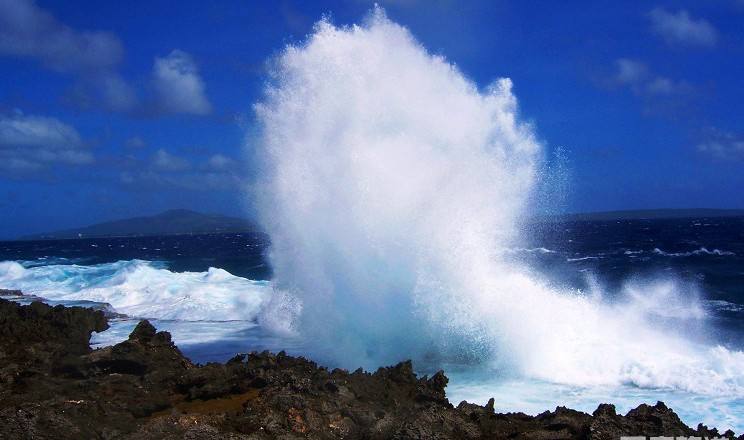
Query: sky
<point x="117" y="109"/>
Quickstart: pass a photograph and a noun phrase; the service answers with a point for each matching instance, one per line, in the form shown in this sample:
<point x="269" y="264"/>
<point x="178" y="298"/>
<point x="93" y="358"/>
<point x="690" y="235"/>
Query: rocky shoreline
<point x="53" y="386"/>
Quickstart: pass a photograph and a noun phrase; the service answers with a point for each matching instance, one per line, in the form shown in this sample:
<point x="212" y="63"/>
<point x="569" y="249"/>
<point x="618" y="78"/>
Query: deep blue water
<point x="705" y="253"/>
<point x="239" y="254"/>
<point x="708" y="253"/>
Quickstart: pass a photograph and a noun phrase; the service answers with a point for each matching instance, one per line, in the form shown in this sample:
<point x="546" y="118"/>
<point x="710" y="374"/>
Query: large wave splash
<point x="390" y="180"/>
<point x="384" y="167"/>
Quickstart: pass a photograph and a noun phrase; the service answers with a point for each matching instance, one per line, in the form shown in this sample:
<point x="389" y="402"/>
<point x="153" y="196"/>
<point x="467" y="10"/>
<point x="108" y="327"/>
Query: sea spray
<point x="386" y="169"/>
<point x="389" y="184"/>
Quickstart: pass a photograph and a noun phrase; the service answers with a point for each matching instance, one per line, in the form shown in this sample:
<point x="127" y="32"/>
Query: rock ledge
<point x="53" y="386"/>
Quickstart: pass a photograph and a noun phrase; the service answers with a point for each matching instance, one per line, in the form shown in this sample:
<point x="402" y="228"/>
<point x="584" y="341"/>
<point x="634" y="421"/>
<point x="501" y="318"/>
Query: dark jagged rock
<point x="40" y="331"/>
<point x="54" y="386"/>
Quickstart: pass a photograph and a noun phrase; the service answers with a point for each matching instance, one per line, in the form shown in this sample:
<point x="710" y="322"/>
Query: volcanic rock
<point x="53" y="386"/>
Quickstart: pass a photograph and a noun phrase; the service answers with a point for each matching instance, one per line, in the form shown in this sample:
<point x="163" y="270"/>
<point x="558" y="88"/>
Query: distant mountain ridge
<point x="643" y="214"/>
<point x="184" y="221"/>
<point x="173" y="222"/>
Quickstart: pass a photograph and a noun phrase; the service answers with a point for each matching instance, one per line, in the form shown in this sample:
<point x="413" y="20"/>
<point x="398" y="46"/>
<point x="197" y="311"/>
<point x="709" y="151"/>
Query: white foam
<point x="185" y="333"/>
<point x="142" y="289"/>
<point x="534" y="397"/>
<point x="700" y="251"/>
<point x="583" y="258"/>
<point x="720" y="305"/>
<point x="389" y="182"/>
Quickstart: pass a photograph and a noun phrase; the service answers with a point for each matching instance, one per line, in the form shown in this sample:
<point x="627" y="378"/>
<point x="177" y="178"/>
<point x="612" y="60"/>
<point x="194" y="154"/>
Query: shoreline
<point x="53" y="385"/>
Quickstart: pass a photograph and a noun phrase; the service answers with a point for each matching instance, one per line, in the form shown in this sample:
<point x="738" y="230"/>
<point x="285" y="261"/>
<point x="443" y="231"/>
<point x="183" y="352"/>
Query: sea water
<point x="400" y="201"/>
<point x="69" y="271"/>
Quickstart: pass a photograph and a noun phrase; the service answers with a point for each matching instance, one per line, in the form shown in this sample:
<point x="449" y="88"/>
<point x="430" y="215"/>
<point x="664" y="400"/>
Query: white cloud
<point x="658" y="94"/>
<point x="93" y="59"/>
<point x="135" y="142"/>
<point x="196" y="181"/>
<point x="169" y="171"/>
<point x="723" y="146"/>
<point x="665" y="86"/>
<point x="639" y="78"/>
<point x="220" y="162"/>
<point x="115" y="93"/>
<point x="678" y="28"/>
<point x="36" y="131"/>
<point x="29" y="31"/>
<point x="178" y="86"/>
<point x="630" y="71"/>
<point x="189" y="180"/>
<point x="35" y="142"/>
<point x="166" y="161"/>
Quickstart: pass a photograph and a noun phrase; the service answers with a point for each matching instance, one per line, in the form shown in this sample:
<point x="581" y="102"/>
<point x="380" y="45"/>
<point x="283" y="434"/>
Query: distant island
<point x="184" y="221"/>
<point x="173" y="222"/>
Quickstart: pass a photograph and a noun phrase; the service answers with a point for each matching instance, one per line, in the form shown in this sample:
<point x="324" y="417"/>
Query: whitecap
<point x="144" y="289"/>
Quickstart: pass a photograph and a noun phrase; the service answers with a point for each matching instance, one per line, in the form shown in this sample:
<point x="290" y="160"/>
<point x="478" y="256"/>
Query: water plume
<point x="389" y="183"/>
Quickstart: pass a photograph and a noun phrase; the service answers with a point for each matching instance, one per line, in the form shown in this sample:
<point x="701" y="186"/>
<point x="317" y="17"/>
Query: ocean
<point x="215" y="294"/>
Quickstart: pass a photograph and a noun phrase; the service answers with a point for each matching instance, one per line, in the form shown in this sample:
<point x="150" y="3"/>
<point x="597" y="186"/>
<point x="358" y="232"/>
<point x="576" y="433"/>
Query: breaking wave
<point x="143" y="289"/>
<point x="389" y="183"/>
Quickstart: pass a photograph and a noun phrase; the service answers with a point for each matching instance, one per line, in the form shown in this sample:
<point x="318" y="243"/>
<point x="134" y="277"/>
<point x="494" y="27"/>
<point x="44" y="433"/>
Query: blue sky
<point x="114" y="109"/>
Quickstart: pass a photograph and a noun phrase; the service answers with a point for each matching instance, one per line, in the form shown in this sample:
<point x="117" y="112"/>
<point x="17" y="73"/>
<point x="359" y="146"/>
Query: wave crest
<point x="142" y="289"/>
<point x="696" y="252"/>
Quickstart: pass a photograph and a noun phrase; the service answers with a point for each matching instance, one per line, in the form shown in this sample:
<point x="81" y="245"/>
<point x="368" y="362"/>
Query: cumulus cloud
<point x="178" y="86"/>
<point x="35" y="142"/>
<point x="165" y="161"/>
<point x="723" y="146"/>
<point x="93" y="58"/>
<point x="678" y="28"/>
<point x="28" y="31"/>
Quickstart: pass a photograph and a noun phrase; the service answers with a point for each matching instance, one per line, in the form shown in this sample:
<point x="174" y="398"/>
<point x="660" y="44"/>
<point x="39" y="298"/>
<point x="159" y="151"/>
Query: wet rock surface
<point x="53" y="386"/>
